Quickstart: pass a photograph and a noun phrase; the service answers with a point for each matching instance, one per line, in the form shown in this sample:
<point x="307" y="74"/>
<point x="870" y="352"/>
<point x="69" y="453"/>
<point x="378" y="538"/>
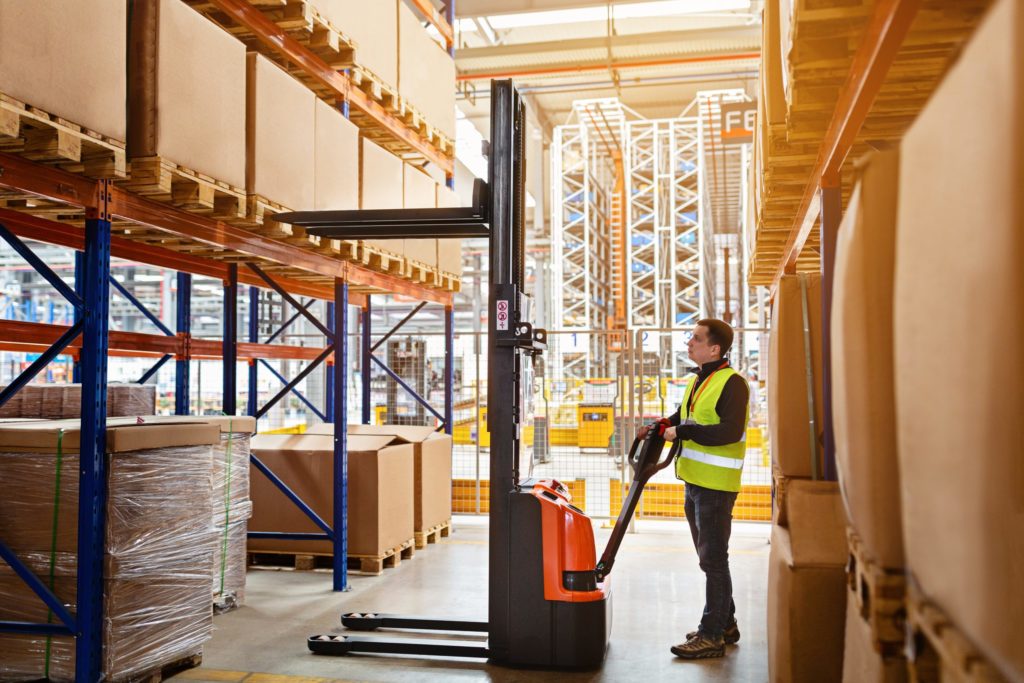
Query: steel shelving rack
<point x="89" y="210"/>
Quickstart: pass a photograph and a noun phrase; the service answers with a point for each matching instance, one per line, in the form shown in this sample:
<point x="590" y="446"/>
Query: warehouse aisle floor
<point x="658" y="595"/>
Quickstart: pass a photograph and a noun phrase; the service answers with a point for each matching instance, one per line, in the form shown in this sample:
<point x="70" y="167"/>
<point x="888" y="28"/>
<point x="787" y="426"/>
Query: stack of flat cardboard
<point x="55" y="401"/>
<point x="958" y="321"/>
<point x="158" y="543"/>
<point x="380" y="492"/>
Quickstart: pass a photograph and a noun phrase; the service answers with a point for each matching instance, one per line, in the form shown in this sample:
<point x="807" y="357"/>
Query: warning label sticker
<point x="502" y="316"/>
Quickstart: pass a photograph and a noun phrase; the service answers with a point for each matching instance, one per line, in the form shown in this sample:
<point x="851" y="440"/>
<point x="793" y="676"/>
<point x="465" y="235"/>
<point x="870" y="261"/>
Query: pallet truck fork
<point x="549" y="600"/>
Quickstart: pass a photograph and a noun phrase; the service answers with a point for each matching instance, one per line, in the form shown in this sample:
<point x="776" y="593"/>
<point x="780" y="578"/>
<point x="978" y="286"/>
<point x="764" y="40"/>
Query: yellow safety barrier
<point x="464" y="495"/>
<point x="667" y="501"/>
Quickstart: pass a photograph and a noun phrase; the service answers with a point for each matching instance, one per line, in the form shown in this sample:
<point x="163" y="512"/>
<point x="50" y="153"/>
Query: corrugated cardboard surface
<point x="813" y="513"/>
<point x="787" y="377"/>
<point x="861" y="663"/>
<point x="374" y="27"/>
<point x="337" y="160"/>
<point x="228" y="424"/>
<point x="42" y="436"/>
<point x="186" y="105"/>
<point x="432" y="467"/>
<point x="56" y="401"/>
<point x="54" y="54"/>
<point x="419" y="193"/>
<point x="280" y="136"/>
<point x="449" y="251"/>
<point x="863" y="399"/>
<point x="380" y="491"/>
<point x="426" y="73"/>
<point x="806" y="616"/>
<point x="381" y="186"/>
<point x="958" y="325"/>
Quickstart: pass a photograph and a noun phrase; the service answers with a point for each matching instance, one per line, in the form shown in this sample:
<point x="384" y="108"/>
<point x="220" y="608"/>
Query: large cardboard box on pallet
<point x="280" y="138"/>
<point x="863" y="399"/>
<point x="432" y="463"/>
<point x="862" y="663"/>
<point x="53" y="54"/>
<point x="426" y="73"/>
<point x="159" y="541"/>
<point x="788" y="411"/>
<point x="381" y="186"/>
<point x="380" y="492"/>
<point x="187" y="98"/>
<point x="374" y="28"/>
<point x="807" y="583"/>
<point x="419" y="192"/>
<point x="449" y="250"/>
<point x="958" y="321"/>
<point x="337" y="160"/>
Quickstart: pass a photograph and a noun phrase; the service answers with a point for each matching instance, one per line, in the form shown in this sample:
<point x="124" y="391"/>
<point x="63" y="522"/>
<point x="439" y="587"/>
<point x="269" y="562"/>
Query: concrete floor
<point x="658" y="596"/>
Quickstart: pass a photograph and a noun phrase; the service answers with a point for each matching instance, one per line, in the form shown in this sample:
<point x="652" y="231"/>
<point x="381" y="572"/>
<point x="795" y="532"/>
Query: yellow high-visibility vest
<point x="713" y="467"/>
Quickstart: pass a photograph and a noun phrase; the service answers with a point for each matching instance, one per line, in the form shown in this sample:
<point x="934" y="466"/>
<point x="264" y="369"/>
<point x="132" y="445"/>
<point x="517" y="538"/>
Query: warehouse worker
<point x="711" y="423"/>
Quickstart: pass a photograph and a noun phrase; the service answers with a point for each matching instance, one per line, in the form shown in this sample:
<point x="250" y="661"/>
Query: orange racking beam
<point x="882" y="40"/>
<point x="434" y="17"/>
<point x="278" y="40"/>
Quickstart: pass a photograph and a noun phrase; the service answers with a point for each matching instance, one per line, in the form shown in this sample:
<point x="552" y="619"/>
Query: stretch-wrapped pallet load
<point x="380" y="492"/>
<point x="53" y="53"/>
<point x="381" y="186"/>
<point x="426" y="73"/>
<point x="863" y="398"/>
<point x="56" y="401"/>
<point x="159" y="543"/>
<point x="432" y="468"/>
<point x="374" y="28"/>
<point x="807" y="585"/>
<point x="794" y="377"/>
<point x="958" y="321"/>
<point x="187" y="101"/>
<point x="419" y="191"/>
<point x="280" y="135"/>
<point x="449" y="250"/>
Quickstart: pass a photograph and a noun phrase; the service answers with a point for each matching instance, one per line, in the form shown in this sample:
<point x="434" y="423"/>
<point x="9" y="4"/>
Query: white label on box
<point x="503" y="314"/>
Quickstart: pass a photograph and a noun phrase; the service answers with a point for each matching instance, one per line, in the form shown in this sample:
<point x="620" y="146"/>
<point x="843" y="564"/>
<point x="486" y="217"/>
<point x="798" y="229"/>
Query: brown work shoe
<point x="700" y="647"/>
<point x="731" y="635"/>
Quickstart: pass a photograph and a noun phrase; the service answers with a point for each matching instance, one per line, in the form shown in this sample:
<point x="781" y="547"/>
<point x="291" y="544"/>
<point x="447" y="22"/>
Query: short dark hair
<point x="719" y="333"/>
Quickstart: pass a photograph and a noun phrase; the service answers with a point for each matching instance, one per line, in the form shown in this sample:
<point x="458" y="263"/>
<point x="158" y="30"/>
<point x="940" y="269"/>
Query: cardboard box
<point x="186" y="105"/>
<point x="374" y="28"/>
<point x="381" y="186"/>
<point x="53" y="54"/>
<point x="449" y="251"/>
<point x="958" y="321"/>
<point x="337" y="160"/>
<point x="380" y="492"/>
<point x="426" y="73"/>
<point x="813" y="513"/>
<point x="419" y="192"/>
<point x="863" y="397"/>
<point x="432" y="463"/>
<point x="773" y="89"/>
<point x="280" y="139"/>
<point x="788" y="421"/>
<point x="806" y="611"/>
<point x="861" y="663"/>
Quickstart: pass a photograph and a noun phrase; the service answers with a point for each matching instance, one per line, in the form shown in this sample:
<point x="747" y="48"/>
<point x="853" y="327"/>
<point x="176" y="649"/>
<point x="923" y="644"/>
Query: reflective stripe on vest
<point x="713" y="467"/>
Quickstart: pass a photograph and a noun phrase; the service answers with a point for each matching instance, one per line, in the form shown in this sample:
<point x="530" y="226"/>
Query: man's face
<point x="699" y="349"/>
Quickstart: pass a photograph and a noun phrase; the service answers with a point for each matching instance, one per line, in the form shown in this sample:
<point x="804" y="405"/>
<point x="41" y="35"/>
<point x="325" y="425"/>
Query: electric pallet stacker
<point x="549" y="604"/>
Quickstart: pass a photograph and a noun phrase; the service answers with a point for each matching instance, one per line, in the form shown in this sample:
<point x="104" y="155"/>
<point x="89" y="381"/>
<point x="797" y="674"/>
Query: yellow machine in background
<point x="595" y="414"/>
<point x="464" y="432"/>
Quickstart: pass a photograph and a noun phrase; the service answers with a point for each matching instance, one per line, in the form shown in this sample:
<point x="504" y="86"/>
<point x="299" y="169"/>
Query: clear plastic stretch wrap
<point x="159" y="544"/>
<point x="231" y="512"/>
<point x="56" y="401"/>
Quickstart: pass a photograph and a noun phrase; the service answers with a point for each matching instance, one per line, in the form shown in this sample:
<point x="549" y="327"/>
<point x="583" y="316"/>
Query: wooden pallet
<point x="880" y="596"/>
<point x="375" y="564"/>
<point x="380" y="92"/>
<point x="168" y="670"/>
<point x="433" y="534"/>
<point x="299" y="19"/>
<point x="381" y="260"/>
<point x="938" y="652"/>
<point x="37" y="135"/>
<point x="164" y="181"/>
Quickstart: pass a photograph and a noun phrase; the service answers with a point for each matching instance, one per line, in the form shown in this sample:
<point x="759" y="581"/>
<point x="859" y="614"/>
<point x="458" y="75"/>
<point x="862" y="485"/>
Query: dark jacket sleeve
<point x="732" y="413"/>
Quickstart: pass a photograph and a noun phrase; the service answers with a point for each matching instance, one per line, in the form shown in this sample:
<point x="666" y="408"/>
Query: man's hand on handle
<point x="662" y="425"/>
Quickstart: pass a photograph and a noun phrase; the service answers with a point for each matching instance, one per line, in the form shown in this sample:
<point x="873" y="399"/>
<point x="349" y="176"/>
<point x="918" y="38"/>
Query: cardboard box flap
<point x="407" y="433"/>
<point x="294" y="443"/>
<point x="816" y="520"/>
<point x="122" y="436"/>
<point x="366" y="443"/>
<point x="228" y="424"/>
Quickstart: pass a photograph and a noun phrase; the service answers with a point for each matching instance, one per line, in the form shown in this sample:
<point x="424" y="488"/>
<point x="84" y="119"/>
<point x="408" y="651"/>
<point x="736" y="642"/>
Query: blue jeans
<point x="709" y="513"/>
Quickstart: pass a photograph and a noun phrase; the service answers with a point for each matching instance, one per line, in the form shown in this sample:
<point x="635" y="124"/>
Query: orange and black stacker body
<point x="549" y="599"/>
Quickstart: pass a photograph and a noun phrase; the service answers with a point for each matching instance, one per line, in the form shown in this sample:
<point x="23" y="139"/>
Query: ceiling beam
<point x="490" y="8"/>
